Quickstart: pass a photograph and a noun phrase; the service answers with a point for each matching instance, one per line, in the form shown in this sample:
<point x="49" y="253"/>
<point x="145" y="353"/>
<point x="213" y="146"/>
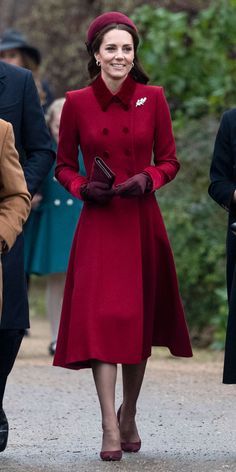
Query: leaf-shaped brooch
<point x="141" y="101"/>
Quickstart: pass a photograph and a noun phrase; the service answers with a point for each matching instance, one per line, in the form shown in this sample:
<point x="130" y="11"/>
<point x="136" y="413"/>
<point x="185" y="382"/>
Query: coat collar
<point x="105" y="97"/>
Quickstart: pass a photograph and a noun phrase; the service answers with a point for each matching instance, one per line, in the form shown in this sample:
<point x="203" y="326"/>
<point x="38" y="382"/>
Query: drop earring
<point x="98" y="63"/>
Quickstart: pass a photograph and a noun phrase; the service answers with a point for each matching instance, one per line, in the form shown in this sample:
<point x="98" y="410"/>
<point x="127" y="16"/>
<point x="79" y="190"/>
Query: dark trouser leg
<point x="229" y="375"/>
<point x="10" y="341"/>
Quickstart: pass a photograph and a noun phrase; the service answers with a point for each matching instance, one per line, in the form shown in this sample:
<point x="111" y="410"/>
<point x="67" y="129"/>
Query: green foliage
<point x="219" y="322"/>
<point x="196" y="227"/>
<point x="193" y="58"/>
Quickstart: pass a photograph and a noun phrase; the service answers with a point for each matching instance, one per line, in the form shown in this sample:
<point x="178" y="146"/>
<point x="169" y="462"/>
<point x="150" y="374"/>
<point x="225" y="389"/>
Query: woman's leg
<point x="132" y="382"/>
<point x="105" y="381"/>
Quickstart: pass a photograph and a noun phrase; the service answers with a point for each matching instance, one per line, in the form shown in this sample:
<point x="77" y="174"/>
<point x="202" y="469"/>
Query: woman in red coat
<point x="121" y="295"/>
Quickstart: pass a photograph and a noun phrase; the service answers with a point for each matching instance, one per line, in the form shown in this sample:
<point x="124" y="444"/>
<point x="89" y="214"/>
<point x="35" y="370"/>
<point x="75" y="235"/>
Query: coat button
<point x="127" y="152"/>
<point x="125" y="130"/>
<point x="69" y="201"/>
<point x="106" y="154"/>
<point x="57" y="202"/>
<point x="105" y="131"/>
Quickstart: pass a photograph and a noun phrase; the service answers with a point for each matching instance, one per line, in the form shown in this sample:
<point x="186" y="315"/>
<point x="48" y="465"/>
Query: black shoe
<point x="4" y="428"/>
<point x="52" y="348"/>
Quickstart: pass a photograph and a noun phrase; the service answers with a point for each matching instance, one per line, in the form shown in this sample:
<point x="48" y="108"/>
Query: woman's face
<point x="116" y="55"/>
<point x="12" y="56"/>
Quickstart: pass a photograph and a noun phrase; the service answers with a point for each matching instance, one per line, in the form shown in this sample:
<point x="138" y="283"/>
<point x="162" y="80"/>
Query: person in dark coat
<point x="20" y="105"/>
<point x="121" y="294"/>
<point x="223" y="190"/>
<point x="16" y="50"/>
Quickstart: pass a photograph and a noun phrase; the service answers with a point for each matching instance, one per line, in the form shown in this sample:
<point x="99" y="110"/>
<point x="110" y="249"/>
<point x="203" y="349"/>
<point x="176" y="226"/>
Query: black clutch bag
<point x="101" y="172"/>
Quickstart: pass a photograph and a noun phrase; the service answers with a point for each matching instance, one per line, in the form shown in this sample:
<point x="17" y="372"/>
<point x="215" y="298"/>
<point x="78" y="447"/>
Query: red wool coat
<point x="121" y="294"/>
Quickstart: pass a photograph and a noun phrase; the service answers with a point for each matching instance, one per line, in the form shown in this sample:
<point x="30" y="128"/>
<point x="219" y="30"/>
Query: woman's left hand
<point x="135" y="186"/>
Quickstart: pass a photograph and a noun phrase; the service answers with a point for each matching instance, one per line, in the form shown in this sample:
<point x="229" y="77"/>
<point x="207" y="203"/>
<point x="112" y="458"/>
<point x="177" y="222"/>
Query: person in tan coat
<point x="14" y="196"/>
<point x="20" y="105"/>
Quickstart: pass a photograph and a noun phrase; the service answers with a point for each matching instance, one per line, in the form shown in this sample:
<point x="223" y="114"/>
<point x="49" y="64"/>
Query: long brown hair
<point x="137" y="71"/>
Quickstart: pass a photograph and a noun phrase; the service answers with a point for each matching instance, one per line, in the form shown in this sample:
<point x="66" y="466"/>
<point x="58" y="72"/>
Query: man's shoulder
<point x="230" y="115"/>
<point x="78" y="93"/>
<point x="3" y="125"/>
<point x="18" y="73"/>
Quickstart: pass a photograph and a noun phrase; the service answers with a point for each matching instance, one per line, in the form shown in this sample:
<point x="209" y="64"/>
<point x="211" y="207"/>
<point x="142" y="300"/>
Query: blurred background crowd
<point x="189" y="47"/>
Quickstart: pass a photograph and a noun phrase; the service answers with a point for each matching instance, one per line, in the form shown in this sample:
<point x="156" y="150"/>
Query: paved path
<point x="186" y="417"/>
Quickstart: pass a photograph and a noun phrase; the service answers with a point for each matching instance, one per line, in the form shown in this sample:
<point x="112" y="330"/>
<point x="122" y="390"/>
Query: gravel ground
<point x="186" y="416"/>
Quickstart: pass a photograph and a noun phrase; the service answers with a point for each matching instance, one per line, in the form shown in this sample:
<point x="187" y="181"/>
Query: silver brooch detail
<point x="141" y="101"/>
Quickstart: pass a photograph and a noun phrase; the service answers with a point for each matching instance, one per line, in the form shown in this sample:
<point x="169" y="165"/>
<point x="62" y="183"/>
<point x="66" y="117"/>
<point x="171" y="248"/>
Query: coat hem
<point x="77" y="365"/>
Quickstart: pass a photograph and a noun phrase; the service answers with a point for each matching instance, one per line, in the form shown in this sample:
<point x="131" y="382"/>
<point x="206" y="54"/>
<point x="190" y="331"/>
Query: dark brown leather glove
<point x="98" y="192"/>
<point x="135" y="186"/>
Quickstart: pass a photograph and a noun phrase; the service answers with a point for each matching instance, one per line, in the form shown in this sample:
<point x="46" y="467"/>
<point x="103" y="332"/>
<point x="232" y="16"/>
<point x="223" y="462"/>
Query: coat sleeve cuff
<point x="76" y="185"/>
<point x="7" y="234"/>
<point x="157" y="178"/>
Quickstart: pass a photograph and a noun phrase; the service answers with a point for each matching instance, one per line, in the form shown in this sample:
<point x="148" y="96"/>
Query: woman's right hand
<point x="98" y="192"/>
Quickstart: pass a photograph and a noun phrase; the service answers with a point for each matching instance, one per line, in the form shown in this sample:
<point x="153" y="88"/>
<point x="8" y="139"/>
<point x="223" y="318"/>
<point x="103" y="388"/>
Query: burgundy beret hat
<point x="106" y="19"/>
